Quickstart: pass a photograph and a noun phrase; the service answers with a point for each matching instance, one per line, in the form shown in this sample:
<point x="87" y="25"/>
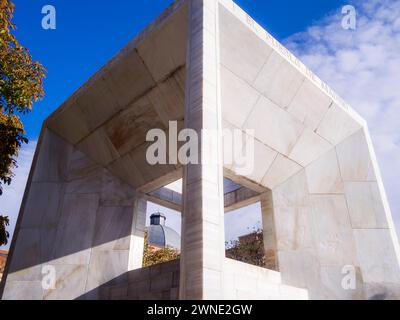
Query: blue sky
<point x="360" y="65"/>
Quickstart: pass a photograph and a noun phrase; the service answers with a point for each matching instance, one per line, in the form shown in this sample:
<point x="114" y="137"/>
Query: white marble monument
<point x="328" y="229"/>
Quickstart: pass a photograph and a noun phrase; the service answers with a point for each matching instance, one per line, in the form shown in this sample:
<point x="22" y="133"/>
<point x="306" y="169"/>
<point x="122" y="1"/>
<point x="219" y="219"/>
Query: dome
<point x="162" y="236"/>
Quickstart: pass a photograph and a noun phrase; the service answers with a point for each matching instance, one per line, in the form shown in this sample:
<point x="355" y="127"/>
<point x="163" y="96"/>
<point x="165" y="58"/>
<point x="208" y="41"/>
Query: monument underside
<point x="207" y="65"/>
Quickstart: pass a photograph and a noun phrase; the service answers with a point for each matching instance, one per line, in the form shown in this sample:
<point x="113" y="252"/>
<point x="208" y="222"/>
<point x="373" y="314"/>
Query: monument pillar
<point x="269" y="233"/>
<point x="137" y="234"/>
<point x="203" y="249"/>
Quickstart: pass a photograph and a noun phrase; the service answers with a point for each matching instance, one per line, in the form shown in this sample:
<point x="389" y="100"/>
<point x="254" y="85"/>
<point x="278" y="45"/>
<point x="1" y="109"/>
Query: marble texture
<point x="337" y="125"/>
<point x="365" y="206"/>
<point x="333" y="231"/>
<point x="354" y="158"/>
<point x="248" y="58"/>
<point x="160" y="282"/>
<point x="274" y="126"/>
<point x="377" y="254"/>
<point x="245" y="282"/>
<point x="309" y="105"/>
<point x="309" y="147"/>
<point x="278" y="80"/>
<point x="80" y="226"/>
<point x="164" y="49"/>
<point x="323" y="175"/>
<point x="281" y="169"/>
<point x="237" y="107"/>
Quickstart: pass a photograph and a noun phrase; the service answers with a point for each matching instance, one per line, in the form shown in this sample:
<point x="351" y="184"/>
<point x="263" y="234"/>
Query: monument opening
<point x="244" y="235"/>
<point x="162" y="242"/>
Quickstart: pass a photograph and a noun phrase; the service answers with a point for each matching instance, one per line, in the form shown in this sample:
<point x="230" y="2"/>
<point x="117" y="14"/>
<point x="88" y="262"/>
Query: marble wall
<point x="242" y="281"/>
<point x="332" y="220"/>
<point x="77" y="221"/>
<point x="159" y="282"/>
<point x="329" y="213"/>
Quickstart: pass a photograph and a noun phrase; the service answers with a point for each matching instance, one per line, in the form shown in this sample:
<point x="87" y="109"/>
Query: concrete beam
<point x="244" y="181"/>
<point x="164" y="203"/>
<point x="242" y="204"/>
<point x="161" y="181"/>
<point x="232" y="201"/>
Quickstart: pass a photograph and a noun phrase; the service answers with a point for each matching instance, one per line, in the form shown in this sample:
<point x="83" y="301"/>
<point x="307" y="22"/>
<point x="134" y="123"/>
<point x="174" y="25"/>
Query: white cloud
<point x="363" y="66"/>
<point x="10" y="201"/>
